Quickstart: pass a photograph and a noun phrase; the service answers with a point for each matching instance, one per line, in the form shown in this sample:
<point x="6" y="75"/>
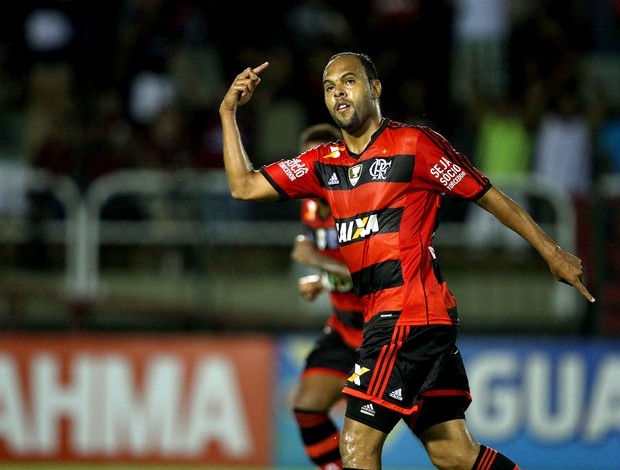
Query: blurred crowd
<point x="520" y="86"/>
<point x="525" y="88"/>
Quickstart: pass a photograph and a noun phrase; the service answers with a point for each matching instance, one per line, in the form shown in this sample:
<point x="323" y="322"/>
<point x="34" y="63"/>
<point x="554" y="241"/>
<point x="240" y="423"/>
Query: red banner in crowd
<point x="146" y="398"/>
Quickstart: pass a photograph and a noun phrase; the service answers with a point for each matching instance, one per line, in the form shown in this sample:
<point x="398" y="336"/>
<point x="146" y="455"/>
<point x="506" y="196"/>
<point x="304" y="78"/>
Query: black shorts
<point x="331" y="355"/>
<point x="431" y="411"/>
<point x="400" y="366"/>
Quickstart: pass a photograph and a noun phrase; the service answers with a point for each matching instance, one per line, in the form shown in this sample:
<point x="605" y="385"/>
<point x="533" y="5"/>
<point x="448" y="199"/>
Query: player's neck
<point x="359" y="140"/>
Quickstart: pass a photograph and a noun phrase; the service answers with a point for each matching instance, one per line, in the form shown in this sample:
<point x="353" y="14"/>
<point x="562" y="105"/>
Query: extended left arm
<point x="564" y="266"/>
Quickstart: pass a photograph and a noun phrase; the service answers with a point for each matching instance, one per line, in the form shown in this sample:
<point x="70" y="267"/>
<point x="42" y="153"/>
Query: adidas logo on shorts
<point x="397" y="394"/>
<point x="368" y="409"/>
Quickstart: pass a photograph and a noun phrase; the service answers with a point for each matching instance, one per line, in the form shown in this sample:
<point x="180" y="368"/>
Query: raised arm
<point x="244" y="181"/>
<point x="564" y="266"/>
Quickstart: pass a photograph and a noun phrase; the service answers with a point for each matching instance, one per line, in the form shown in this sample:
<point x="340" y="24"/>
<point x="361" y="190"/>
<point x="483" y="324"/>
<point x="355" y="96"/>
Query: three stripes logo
<point x="368" y="409"/>
<point x="333" y="180"/>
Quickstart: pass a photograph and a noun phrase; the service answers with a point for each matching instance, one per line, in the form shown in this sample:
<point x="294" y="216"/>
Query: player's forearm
<point x="331" y="266"/>
<point x="239" y="168"/>
<point x="305" y="252"/>
<point x="513" y="216"/>
<point x="334" y="267"/>
<point x="244" y="181"/>
<point x="564" y="266"/>
<point x="548" y="248"/>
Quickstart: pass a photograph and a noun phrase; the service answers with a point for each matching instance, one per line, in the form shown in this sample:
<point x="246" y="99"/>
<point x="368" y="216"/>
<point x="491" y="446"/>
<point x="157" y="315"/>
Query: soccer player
<point x="333" y="356"/>
<point x="384" y="183"/>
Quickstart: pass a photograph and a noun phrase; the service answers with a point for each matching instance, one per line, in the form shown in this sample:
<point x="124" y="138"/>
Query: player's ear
<point x="376" y="89"/>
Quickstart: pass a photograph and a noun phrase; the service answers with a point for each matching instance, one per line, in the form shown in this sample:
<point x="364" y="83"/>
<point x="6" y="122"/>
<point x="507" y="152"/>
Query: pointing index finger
<point x="583" y="291"/>
<point x="260" y="68"/>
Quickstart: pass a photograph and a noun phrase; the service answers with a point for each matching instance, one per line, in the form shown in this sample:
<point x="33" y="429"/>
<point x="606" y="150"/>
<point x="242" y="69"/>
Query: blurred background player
<point x="333" y="356"/>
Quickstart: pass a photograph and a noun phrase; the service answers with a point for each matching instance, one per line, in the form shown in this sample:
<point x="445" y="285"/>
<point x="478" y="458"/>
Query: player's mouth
<point x="342" y="106"/>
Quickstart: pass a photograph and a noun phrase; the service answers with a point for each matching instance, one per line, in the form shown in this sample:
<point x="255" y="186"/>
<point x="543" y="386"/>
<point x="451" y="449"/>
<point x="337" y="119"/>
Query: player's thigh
<point x="327" y="367"/>
<point x="319" y="391"/>
<point x="359" y="439"/>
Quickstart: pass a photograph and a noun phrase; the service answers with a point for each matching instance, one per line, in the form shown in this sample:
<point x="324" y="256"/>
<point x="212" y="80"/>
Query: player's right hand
<point x="242" y="88"/>
<point x="310" y="286"/>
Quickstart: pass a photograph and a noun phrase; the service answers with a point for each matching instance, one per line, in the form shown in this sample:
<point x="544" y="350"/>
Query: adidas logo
<point x="397" y="394"/>
<point x="333" y="180"/>
<point x="368" y="409"/>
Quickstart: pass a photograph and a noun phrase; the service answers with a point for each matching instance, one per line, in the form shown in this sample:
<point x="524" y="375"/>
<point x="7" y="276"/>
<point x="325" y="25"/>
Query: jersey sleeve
<point x="441" y="167"/>
<point x="294" y="178"/>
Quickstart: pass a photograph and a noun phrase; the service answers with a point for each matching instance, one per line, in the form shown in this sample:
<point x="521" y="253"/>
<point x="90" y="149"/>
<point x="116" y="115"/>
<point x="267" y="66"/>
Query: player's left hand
<point x="567" y="268"/>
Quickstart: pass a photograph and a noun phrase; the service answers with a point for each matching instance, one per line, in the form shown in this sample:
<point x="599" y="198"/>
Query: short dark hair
<point x="367" y="63"/>
<point x="323" y="132"/>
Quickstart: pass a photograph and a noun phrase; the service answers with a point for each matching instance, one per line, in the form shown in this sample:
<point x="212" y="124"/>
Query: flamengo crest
<point x="379" y="168"/>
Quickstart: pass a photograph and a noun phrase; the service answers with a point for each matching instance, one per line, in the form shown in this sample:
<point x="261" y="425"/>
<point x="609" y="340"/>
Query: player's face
<point x="347" y="92"/>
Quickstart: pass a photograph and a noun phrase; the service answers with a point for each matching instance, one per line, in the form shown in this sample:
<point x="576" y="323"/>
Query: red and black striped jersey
<point x="346" y="318"/>
<point x="385" y="204"/>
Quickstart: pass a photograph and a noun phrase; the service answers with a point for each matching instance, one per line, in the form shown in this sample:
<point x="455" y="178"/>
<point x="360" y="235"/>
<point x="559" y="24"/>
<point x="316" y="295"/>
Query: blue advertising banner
<point x="547" y="403"/>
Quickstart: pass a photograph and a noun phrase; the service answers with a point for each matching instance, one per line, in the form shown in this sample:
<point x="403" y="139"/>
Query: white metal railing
<point x="84" y="231"/>
<point x="563" y="228"/>
<point x="65" y="191"/>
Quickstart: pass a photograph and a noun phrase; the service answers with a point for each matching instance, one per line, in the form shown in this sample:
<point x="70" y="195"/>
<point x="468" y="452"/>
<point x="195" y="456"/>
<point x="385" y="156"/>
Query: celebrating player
<point x="384" y="183"/>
